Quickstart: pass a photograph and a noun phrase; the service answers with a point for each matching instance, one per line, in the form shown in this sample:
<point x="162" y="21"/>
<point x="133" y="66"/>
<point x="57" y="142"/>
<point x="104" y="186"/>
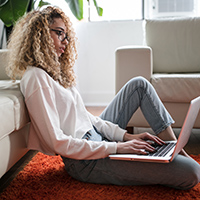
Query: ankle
<point x="167" y="134"/>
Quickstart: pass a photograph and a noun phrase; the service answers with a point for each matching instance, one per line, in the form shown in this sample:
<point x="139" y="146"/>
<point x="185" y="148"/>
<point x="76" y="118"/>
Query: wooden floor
<point x="193" y="147"/>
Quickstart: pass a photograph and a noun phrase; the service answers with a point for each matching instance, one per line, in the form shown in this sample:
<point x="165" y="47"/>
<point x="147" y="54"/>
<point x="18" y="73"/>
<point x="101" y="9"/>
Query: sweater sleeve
<point x="108" y="129"/>
<point x="45" y="120"/>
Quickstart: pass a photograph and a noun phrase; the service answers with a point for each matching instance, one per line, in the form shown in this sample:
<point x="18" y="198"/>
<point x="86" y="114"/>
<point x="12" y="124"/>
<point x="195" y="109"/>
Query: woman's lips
<point x="62" y="50"/>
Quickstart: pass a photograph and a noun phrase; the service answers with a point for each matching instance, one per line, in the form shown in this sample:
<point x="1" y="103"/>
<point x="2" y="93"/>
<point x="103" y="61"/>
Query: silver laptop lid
<point x="187" y="125"/>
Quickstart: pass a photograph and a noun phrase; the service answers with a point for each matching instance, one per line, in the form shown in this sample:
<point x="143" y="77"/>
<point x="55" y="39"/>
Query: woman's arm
<point x="46" y="122"/>
<point x="109" y="130"/>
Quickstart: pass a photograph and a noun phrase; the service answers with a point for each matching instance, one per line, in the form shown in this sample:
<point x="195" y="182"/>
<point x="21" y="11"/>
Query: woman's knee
<point x="190" y="174"/>
<point x="136" y="83"/>
<point x="193" y="176"/>
<point x="139" y="80"/>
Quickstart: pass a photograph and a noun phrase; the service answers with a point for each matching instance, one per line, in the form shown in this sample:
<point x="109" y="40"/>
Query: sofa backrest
<point x="3" y="63"/>
<point x="175" y="43"/>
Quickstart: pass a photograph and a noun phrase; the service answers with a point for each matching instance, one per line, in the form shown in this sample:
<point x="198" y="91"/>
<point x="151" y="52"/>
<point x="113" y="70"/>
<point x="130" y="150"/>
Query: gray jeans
<point x="181" y="173"/>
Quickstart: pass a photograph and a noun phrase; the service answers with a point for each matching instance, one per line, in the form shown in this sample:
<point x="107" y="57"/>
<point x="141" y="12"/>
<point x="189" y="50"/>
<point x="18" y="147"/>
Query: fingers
<point x="147" y="136"/>
<point x="143" y="146"/>
<point x="134" y="147"/>
<point x="140" y="152"/>
<point x="157" y="140"/>
<point x="139" y="147"/>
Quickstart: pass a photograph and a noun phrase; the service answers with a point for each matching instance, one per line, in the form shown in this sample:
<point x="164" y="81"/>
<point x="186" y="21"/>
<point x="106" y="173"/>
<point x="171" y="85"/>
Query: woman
<point x="43" y="52"/>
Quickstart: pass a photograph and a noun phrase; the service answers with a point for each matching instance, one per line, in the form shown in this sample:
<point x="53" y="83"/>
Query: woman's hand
<point x="143" y="136"/>
<point x="138" y="144"/>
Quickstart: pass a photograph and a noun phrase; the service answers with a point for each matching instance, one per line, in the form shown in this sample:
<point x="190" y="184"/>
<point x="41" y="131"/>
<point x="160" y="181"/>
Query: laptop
<point x="167" y="152"/>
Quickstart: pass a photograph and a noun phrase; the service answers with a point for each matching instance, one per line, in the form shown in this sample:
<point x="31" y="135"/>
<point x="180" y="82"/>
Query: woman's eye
<point x="59" y="33"/>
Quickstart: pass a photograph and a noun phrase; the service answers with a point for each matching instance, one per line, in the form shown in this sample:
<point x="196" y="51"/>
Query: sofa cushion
<point x="6" y="116"/>
<point x="175" y="44"/>
<point x="12" y="97"/>
<point x="180" y="88"/>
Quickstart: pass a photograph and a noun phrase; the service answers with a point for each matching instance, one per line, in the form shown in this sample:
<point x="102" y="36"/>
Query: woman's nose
<point x="65" y="41"/>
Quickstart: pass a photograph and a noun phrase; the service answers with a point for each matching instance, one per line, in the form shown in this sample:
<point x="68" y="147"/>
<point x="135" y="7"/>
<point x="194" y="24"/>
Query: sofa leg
<point x="130" y="129"/>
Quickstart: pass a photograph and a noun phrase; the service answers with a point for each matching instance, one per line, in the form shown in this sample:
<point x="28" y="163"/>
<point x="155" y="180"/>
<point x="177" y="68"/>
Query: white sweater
<point x="59" y="119"/>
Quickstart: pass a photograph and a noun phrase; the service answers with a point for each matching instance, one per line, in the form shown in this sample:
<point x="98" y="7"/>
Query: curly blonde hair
<point x="31" y="44"/>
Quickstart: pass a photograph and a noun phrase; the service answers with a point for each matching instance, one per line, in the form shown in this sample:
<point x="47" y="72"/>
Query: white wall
<point x="95" y="67"/>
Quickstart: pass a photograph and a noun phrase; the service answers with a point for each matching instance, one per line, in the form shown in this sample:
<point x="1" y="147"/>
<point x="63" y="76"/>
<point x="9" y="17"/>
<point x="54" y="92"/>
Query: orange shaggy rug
<point x="44" y="177"/>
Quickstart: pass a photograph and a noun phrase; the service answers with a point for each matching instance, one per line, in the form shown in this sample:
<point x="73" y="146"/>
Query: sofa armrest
<point x="132" y="61"/>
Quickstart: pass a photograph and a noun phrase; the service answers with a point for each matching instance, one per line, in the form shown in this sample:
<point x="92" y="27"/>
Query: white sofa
<point x="14" y="120"/>
<point x="170" y="60"/>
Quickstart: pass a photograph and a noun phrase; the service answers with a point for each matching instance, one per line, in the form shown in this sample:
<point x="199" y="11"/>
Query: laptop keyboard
<point x="161" y="150"/>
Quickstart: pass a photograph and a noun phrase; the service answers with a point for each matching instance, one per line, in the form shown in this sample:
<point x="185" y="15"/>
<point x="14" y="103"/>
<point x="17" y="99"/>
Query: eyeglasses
<point x="61" y="35"/>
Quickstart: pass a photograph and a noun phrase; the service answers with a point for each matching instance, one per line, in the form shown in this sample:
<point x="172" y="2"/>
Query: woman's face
<point x="58" y="33"/>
